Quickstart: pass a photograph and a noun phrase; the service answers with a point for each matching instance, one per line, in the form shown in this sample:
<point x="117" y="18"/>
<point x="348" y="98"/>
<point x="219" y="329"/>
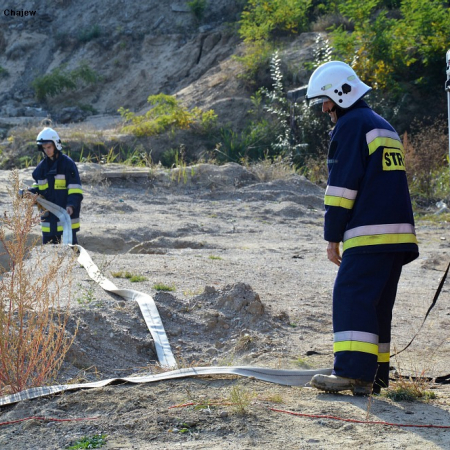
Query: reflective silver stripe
<point x="74" y="186"/>
<point x="360" y="336"/>
<point x="62" y="215"/>
<point x="384" y="348"/>
<point x="75" y="221"/>
<point x="337" y="191"/>
<point x="60" y="177"/>
<point x="379" y="132"/>
<point x="371" y="230"/>
<point x="41" y="182"/>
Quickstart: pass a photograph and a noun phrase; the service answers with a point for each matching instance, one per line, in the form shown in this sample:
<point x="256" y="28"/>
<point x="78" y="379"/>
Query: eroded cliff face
<point x="138" y="48"/>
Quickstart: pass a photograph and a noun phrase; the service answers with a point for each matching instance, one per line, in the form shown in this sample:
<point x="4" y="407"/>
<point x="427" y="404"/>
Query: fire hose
<point x="153" y="320"/>
<point x="156" y="328"/>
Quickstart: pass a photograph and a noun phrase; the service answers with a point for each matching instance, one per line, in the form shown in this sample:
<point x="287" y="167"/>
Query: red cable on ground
<point x="368" y="422"/>
<point x="181" y="406"/>
<point x="321" y="416"/>
<point x="46" y="418"/>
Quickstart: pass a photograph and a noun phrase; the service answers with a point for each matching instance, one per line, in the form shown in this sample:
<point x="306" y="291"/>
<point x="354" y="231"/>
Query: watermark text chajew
<point x="18" y="13"/>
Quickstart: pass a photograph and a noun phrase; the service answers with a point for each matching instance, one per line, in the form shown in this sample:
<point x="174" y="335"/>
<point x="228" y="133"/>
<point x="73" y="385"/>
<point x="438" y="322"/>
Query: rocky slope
<point x="137" y="49"/>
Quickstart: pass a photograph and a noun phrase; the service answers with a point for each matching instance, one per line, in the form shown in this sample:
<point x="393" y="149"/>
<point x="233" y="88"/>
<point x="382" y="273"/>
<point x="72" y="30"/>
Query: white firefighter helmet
<point x="338" y="82"/>
<point x="48" y="135"/>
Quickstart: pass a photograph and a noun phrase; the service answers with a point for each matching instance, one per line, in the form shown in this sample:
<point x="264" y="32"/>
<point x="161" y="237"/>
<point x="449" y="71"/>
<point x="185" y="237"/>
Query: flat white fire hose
<point x="146" y="303"/>
<point x="62" y="215"/>
<point x="156" y="328"/>
<point x="278" y="376"/>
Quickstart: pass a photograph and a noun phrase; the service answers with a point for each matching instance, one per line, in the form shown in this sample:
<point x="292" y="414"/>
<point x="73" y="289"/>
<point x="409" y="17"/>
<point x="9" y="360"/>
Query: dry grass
<point x="426" y="159"/>
<point x="271" y="170"/>
<point x="33" y="340"/>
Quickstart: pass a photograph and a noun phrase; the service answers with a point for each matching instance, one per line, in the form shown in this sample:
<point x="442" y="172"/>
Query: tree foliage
<point x="394" y="43"/>
<point x="262" y="20"/>
<point x="391" y="53"/>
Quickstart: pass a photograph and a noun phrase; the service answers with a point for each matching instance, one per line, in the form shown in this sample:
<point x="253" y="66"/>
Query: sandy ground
<point x="224" y="238"/>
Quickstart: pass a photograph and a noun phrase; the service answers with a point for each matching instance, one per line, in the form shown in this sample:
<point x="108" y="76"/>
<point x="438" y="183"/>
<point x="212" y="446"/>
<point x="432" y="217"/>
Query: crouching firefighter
<point x="368" y="210"/>
<point x="56" y="178"/>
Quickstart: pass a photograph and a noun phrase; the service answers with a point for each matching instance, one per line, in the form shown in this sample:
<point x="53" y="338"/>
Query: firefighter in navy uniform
<point x="56" y="178"/>
<point x="368" y="210"/>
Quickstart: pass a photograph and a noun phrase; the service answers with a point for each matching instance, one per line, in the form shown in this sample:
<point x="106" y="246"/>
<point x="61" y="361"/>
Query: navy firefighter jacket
<point x="367" y="202"/>
<point x="58" y="181"/>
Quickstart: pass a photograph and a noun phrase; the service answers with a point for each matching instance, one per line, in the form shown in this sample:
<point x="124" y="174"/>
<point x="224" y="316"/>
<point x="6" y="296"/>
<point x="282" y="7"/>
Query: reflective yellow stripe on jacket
<point x="383" y="138"/>
<point x="340" y="196"/>
<point x="75" y="189"/>
<point x="42" y="185"/>
<point x="393" y="233"/>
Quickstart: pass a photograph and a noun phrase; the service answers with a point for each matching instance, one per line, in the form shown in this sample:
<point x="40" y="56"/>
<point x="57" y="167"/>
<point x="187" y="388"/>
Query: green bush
<point x="170" y="157"/>
<point x="89" y="34"/>
<point x="166" y="114"/>
<point x="198" y="8"/>
<point x="60" y="80"/>
<point x="251" y="144"/>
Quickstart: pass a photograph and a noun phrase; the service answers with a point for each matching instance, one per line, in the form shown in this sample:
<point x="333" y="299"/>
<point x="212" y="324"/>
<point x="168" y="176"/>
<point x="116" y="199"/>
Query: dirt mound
<point x="219" y="325"/>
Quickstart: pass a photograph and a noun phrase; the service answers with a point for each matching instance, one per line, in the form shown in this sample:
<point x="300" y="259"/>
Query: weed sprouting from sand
<point x="164" y="287"/>
<point x="409" y="391"/>
<point x="241" y="399"/>
<point x="86" y="296"/>
<point x="412" y="387"/>
<point x="272" y="397"/>
<point x="244" y="342"/>
<point x="96" y="441"/>
<point x="301" y="362"/>
<point x="129" y="276"/>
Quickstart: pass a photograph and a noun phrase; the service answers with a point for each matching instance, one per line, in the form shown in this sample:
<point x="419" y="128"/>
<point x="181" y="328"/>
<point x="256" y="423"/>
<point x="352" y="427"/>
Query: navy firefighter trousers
<point x="363" y="299"/>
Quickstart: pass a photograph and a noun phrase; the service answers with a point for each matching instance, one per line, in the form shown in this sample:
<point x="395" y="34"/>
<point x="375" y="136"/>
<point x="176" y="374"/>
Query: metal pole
<point x="447" y="88"/>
